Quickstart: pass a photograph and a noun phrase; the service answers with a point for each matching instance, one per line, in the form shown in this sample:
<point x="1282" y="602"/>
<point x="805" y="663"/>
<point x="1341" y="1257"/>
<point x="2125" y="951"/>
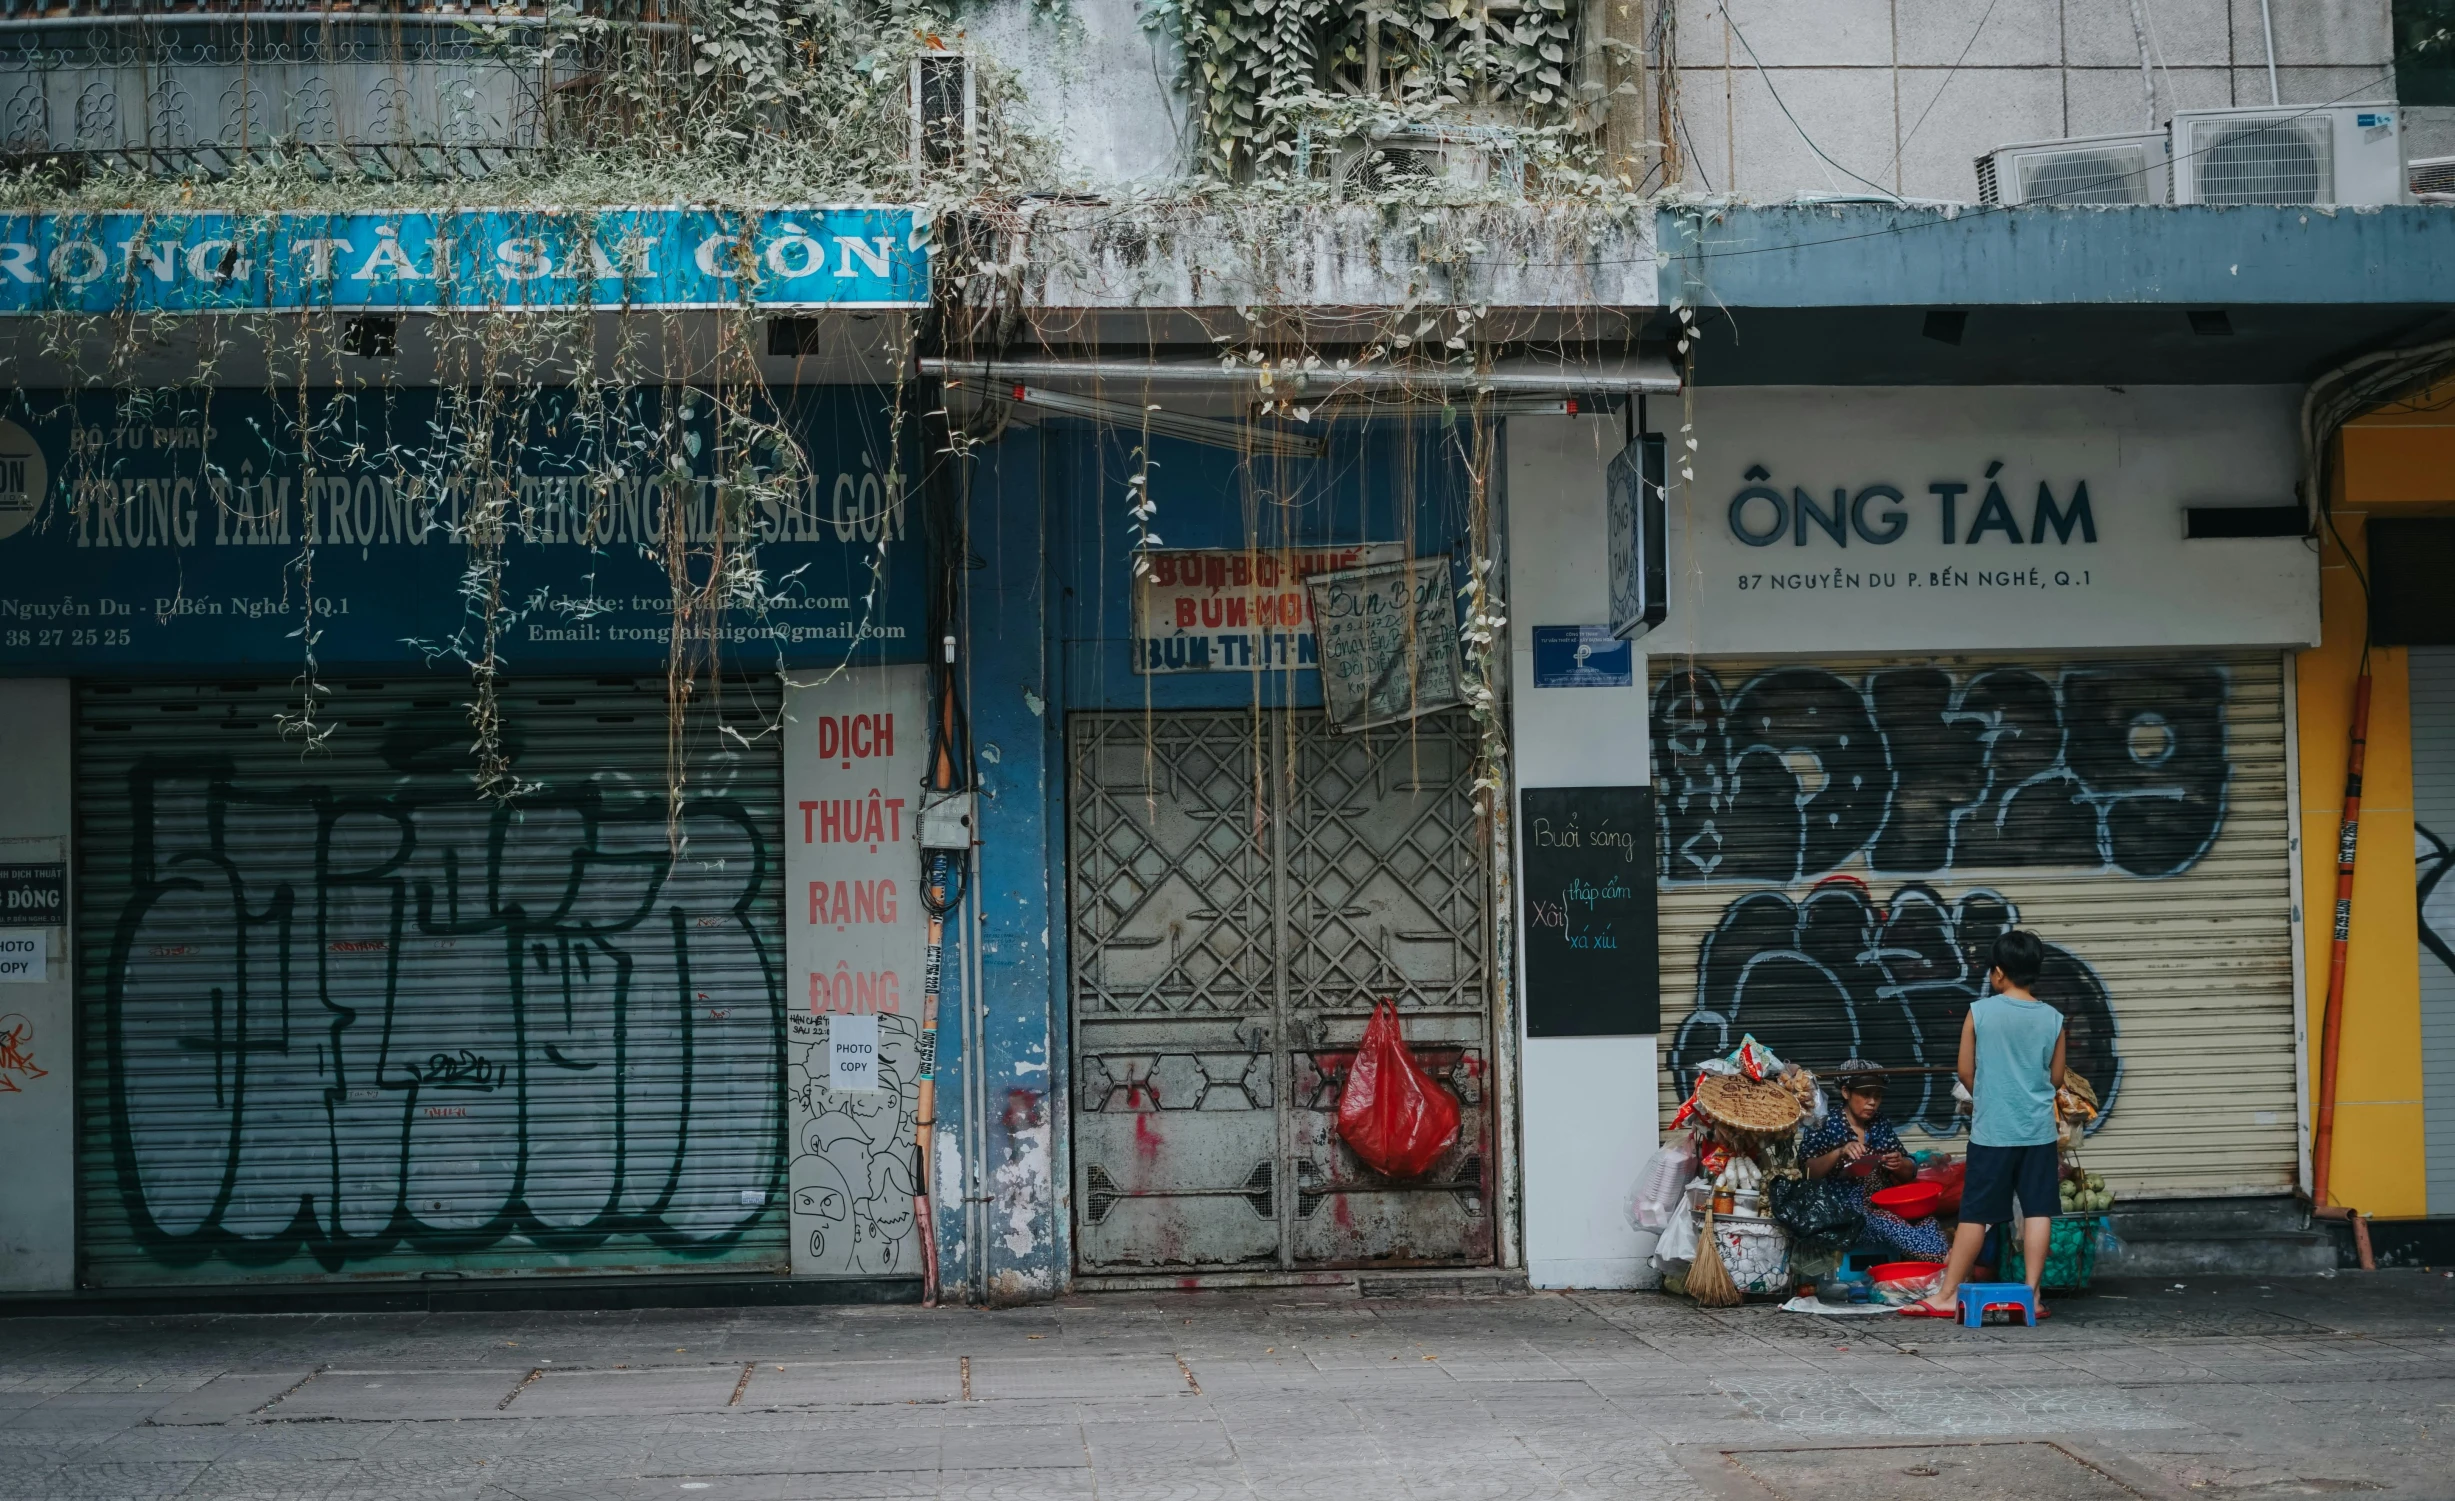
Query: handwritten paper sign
<point x="1588" y="890"/>
<point x="852" y="1051"/>
<point x="1388" y="638"/>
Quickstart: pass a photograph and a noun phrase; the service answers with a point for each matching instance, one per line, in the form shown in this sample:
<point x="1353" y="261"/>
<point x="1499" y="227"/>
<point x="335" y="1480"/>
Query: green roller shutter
<point x="1843" y="840"/>
<point x="344" y="1018"/>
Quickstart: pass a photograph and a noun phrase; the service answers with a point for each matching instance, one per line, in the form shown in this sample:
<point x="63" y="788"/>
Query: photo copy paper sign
<point x="24" y="956"/>
<point x="852" y="1051"/>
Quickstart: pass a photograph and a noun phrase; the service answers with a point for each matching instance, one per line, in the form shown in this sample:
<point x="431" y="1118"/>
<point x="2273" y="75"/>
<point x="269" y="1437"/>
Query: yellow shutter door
<point x="1842" y="841"/>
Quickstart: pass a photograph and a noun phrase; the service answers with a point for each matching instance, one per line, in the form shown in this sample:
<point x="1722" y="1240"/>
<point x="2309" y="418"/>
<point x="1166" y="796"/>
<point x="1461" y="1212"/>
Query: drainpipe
<point x="2148" y="77"/>
<point x="2267" y="23"/>
<point x="2348" y="840"/>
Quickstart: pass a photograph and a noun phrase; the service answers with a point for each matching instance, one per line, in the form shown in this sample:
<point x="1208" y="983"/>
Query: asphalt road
<point x="2226" y="1388"/>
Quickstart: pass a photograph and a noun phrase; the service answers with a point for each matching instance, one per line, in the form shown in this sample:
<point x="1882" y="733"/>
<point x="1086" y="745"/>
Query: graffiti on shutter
<point x="348" y="1016"/>
<point x="1845" y="843"/>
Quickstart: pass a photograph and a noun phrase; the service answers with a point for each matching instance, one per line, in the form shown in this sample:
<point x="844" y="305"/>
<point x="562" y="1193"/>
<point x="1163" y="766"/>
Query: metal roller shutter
<point x="2433" y="819"/>
<point x="1840" y="838"/>
<point x="343" y="1018"/>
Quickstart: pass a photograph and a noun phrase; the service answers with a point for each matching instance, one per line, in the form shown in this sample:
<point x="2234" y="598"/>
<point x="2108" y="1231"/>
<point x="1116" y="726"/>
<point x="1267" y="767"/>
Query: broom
<point x="1708" y="1279"/>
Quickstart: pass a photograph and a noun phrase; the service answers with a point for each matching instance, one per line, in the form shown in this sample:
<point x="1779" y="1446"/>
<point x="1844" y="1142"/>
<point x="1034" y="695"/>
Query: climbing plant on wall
<point x="1257" y="69"/>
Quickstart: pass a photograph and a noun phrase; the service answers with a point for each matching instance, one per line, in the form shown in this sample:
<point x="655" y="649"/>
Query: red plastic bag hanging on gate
<point x="1397" y="1117"/>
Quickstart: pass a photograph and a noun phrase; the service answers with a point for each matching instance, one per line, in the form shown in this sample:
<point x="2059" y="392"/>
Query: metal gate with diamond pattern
<point x="1243" y="887"/>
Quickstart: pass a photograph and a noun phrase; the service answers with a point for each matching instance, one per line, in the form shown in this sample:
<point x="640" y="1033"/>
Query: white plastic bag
<point x="1662" y="1185"/>
<point x="1678" y="1243"/>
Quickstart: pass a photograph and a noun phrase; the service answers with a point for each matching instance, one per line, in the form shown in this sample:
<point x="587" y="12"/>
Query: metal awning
<point x="1320" y="381"/>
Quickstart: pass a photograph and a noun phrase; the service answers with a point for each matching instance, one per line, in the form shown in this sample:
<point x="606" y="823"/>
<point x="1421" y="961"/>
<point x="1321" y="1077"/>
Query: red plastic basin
<point x="1903" y="1271"/>
<point x="1911" y="1201"/>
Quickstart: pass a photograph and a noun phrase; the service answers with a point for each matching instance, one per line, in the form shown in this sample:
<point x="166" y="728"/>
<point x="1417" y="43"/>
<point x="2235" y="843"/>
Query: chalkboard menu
<point x="1587" y="894"/>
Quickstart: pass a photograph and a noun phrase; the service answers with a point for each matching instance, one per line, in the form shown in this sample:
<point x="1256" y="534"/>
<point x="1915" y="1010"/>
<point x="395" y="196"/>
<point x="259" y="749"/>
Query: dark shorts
<point x="1996" y="1173"/>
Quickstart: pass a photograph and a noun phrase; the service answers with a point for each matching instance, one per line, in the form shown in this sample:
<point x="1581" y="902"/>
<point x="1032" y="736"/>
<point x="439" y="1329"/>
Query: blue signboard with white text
<point x="777" y="258"/>
<point x="170" y="531"/>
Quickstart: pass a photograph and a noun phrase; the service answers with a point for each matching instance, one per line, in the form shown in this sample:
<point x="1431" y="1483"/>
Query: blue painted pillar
<point x="1023" y="1252"/>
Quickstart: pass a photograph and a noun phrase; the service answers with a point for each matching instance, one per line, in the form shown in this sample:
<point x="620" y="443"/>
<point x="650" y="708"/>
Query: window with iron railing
<point x="176" y="12"/>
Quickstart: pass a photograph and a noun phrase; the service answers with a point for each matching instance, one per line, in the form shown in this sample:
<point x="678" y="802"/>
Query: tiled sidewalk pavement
<point x="2224" y="1389"/>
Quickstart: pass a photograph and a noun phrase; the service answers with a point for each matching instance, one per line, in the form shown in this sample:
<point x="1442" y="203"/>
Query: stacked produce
<point x="2084" y="1192"/>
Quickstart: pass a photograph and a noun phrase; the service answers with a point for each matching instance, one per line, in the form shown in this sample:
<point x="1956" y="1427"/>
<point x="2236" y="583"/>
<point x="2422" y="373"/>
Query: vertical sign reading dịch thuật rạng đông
<point x="856" y="747"/>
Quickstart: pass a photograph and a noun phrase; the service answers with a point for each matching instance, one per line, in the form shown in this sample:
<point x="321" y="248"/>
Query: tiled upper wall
<point x="1904" y="95"/>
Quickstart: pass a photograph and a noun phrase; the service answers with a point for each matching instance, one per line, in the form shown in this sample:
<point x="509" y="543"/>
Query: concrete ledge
<point x="1337" y="256"/>
<point x="2268" y="1235"/>
<point x="473" y="1295"/>
<point x="1955" y="255"/>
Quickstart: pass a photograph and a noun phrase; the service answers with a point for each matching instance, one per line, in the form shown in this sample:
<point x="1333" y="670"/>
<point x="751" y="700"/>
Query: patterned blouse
<point x="1923" y="1238"/>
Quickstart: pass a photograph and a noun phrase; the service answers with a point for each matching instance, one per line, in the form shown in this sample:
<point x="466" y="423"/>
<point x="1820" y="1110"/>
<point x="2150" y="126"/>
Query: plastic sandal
<point x="1925" y="1310"/>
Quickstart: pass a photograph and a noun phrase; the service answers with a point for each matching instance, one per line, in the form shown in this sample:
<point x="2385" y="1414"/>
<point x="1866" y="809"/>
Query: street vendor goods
<point x="1741" y="1104"/>
<point x="1911" y="1201"/>
<point x="2083" y="1192"/>
<point x="1742" y="1117"/>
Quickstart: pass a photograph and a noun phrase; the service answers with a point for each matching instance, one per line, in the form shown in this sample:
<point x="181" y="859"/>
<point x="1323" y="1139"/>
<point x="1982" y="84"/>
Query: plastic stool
<point x="1977" y="1298"/>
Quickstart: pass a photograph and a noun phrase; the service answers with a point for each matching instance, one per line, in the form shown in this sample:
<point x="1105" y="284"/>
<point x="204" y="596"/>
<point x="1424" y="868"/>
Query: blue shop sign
<point x="1582" y="656"/>
<point x="777" y="258"/>
<point x="193" y="531"/>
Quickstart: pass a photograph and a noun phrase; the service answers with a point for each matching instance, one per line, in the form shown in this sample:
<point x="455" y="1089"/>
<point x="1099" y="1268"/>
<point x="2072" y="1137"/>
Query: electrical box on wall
<point x="946" y="822"/>
<point x="1639" y="524"/>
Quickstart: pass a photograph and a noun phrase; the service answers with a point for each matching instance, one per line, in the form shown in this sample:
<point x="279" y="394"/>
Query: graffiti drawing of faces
<point x="852" y="1175"/>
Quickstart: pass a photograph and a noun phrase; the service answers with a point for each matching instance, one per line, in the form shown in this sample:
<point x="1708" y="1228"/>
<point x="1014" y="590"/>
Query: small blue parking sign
<point x="1582" y="656"/>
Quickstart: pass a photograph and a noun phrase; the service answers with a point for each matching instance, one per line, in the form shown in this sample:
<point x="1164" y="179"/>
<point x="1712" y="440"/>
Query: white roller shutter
<point x="2433" y="818"/>
<point x="341" y="1017"/>
<point x="1840" y="838"/>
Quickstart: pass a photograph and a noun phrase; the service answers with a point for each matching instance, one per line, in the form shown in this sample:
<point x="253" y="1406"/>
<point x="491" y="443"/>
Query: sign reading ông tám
<point x="1235" y="609"/>
<point x="468" y="259"/>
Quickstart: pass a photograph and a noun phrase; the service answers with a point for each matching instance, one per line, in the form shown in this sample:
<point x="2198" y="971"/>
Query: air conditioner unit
<point x="2086" y="169"/>
<point x="2431" y="176"/>
<point x="2332" y="154"/>
<point x="945" y="111"/>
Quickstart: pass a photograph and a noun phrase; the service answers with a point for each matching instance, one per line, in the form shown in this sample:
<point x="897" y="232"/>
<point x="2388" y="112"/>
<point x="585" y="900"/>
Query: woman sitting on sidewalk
<point x="1857" y="1145"/>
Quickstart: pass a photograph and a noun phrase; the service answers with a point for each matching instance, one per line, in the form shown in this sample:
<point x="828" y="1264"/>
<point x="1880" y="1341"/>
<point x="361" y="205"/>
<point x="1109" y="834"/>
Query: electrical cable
<point x="1901" y="147"/>
<point x="1785" y="108"/>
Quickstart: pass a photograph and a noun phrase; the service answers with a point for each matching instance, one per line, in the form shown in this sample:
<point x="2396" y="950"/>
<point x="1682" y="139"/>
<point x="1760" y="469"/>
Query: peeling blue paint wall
<point x="1402" y="480"/>
<point x="1024" y="1254"/>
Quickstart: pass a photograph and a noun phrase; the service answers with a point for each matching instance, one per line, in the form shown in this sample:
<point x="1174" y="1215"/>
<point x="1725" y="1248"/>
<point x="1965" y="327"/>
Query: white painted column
<point x="38" y="1114"/>
<point x="1588" y="1109"/>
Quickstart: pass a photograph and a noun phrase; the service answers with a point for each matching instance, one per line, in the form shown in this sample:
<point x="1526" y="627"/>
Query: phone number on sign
<point x="67" y="636"/>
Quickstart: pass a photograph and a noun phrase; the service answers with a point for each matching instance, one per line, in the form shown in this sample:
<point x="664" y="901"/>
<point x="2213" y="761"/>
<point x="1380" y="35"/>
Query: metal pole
<point x="2348" y="841"/>
<point x="925" y="1114"/>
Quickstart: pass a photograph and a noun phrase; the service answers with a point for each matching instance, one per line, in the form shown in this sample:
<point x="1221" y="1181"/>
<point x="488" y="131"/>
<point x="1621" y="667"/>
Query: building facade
<point x="856" y="748"/>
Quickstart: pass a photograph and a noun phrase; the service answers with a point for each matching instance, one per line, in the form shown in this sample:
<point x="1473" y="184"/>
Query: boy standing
<point x="2011" y="1063"/>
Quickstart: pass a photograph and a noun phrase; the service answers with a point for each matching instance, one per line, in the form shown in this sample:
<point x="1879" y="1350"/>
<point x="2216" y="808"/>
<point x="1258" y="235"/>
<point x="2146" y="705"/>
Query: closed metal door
<point x="1243" y="889"/>
<point x="1842" y="841"/>
<point x="344" y="1018"/>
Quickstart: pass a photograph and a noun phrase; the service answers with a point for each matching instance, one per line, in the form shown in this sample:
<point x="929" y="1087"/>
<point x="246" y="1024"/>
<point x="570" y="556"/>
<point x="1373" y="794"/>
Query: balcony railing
<point x="196" y="88"/>
<point x="50" y="14"/>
